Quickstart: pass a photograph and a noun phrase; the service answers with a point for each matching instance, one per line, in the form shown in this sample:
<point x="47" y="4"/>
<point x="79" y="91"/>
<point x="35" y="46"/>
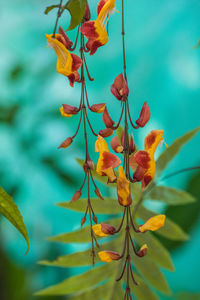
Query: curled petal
<point x="66" y="143"/>
<point x="98" y="108"/>
<point x="108" y="256"/>
<point x="143" y="159"/>
<point x="115" y="145"/>
<point x="101" y="145"/>
<point x="152" y="140"/>
<point x="153" y="223"/>
<point x="106" y="132"/>
<point x="110" y="160"/>
<point x="123" y="189"/>
<point x="144" y="115"/>
<point x="63" y="38"/>
<point x="120" y="88"/>
<point x="107" y="119"/>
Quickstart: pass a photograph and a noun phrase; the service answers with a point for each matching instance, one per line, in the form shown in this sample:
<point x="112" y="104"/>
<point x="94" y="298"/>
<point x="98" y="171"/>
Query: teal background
<point x="163" y="69"/>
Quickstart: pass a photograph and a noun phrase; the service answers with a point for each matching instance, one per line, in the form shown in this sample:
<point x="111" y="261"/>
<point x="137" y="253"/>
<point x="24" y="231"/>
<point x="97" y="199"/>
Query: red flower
<point x="120" y="88"/>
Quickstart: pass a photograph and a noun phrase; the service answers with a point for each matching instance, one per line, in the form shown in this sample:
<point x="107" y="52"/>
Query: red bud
<point x="68" y="109"/>
<point x="115" y="145"/>
<point x="143" y="251"/>
<point x="83" y="221"/>
<point x="66" y="143"/>
<point x="108" y="229"/>
<point x="120" y="88"/>
<point x="76" y="196"/>
<point x="144" y="115"/>
<point x="106" y="132"/>
<point x="98" y="108"/>
<point x="87" y="13"/>
<point x="63" y="38"/>
<point x="95" y="219"/>
<point x="98" y="193"/>
<point x="107" y="119"/>
<point x="132" y="145"/>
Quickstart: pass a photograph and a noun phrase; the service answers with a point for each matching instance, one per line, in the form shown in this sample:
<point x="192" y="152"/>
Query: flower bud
<point x="87" y="13"/>
<point x="143" y="250"/>
<point x="63" y="38"/>
<point x="120" y="88"/>
<point x="115" y="145"/>
<point x="98" y="193"/>
<point x="123" y="188"/>
<point x="66" y="143"/>
<point x="63" y="114"/>
<point x="95" y="219"/>
<point x="68" y="109"/>
<point x="76" y="196"/>
<point x="83" y="221"/>
<point x="98" y="108"/>
<point x="132" y="145"/>
<point x="107" y="119"/>
<point x="88" y="165"/>
<point x="108" y="229"/>
<point x="144" y="115"/>
<point x="106" y="132"/>
<point x="108" y="256"/>
<point x="153" y="223"/>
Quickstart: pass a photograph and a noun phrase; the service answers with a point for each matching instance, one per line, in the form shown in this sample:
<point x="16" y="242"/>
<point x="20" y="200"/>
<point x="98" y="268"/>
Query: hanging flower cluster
<point x="136" y="166"/>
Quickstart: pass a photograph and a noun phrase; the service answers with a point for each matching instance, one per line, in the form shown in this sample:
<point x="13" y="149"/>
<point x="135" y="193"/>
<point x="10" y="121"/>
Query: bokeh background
<point x="163" y="69"/>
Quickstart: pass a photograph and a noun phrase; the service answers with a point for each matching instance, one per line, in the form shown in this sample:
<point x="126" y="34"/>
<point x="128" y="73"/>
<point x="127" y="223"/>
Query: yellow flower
<point x="123" y="188"/>
<point x="103" y="230"/>
<point x="153" y="223"/>
<point x="108" y="256"/>
<point x="67" y="63"/>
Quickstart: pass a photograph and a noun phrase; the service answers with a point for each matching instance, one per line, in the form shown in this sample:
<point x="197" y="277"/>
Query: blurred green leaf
<point x="106" y="206"/>
<point x="187" y="296"/>
<point x="170" y="196"/>
<point x="171" y="230"/>
<point x="50" y="8"/>
<point x="9" y="210"/>
<point x="97" y="293"/>
<point x="119" y="132"/>
<point x="142" y="291"/>
<point x="8" y="113"/>
<point x="173" y="150"/>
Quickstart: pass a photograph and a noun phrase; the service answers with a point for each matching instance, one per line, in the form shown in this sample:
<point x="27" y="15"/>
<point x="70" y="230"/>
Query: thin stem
<point x="123" y="270"/>
<point x="118" y="123"/>
<point x="83" y="181"/>
<point x="123" y="42"/>
<point x="76" y="41"/>
<point x="86" y="67"/>
<point x="90" y="212"/>
<point x="129" y="115"/>
<point x="79" y="124"/>
<point x="179" y="172"/>
<point x="90" y="124"/>
<point x="132" y="224"/>
<point x="122" y="221"/>
<point x="60" y="11"/>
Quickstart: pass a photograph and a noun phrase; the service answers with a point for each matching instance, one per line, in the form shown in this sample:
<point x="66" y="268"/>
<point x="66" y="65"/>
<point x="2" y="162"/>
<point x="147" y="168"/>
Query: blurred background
<point x="163" y="69"/>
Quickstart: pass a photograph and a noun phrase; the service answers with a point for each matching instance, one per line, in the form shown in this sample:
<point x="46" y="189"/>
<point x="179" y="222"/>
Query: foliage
<point x="100" y="282"/>
<point x="9" y="210"/>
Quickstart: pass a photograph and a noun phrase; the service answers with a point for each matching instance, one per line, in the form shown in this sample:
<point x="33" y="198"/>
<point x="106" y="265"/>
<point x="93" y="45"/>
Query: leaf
<point x="106" y="206"/>
<point x="170" y="196"/>
<point x="82" y="235"/>
<point x="119" y="132"/>
<point x="187" y="296"/>
<point x="9" y="209"/>
<point x="152" y="273"/>
<point x="97" y="293"/>
<point x="76" y="9"/>
<point x="85" y="281"/>
<point x="171" y="230"/>
<point x="156" y="250"/>
<point x="142" y="291"/>
<point x="49" y="8"/>
<point x="173" y="150"/>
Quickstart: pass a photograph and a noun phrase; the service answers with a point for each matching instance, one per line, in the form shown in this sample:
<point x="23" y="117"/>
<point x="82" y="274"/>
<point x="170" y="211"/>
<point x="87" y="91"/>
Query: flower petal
<point x="153" y="223"/>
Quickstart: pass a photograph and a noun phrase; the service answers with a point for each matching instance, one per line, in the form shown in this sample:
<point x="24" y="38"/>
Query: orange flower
<point x="108" y="256"/>
<point x="67" y="63"/>
<point x="145" y="159"/>
<point x="107" y="161"/>
<point x="95" y="31"/>
<point x="153" y="223"/>
<point x="123" y="189"/>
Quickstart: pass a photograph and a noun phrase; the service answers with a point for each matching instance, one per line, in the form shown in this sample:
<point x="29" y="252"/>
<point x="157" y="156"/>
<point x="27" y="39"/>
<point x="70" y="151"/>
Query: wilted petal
<point x="153" y="223"/>
<point x="144" y="115"/>
<point x="108" y="256"/>
<point x="123" y="189"/>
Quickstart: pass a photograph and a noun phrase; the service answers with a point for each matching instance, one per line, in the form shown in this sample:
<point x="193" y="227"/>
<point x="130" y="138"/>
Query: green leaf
<point x="9" y="209"/>
<point x="156" y="250"/>
<point x="142" y="291"/>
<point x="170" y="196"/>
<point x="152" y="273"/>
<point x="187" y="296"/>
<point x="85" y="281"/>
<point x="49" y="8"/>
<point x="76" y="9"/>
<point x="106" y="206"/>
<point x="119" y="132"/>
<point x="173" y="150"/>
<point x="82" y="235"/>
<point x="171" y="230"/>
<point x="97" y="293"/>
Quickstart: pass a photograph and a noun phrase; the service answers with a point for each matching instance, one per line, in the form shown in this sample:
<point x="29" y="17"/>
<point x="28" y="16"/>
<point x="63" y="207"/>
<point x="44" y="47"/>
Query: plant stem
<point x="60" y="11"/>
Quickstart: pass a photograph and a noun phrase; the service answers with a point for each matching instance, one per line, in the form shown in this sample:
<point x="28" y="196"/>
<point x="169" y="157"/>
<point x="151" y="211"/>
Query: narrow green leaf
<point x="97" y="293"/>
<point x="49" y="8"/>
<point x="82" y="235"/>
<point x="76" y="9"/>
<point x="156" y="250"/>
<point x="119" y="132"/>
<point x="142" y="291"/>
<point x="173" y="150"/>
<point x="106" y="206"/>
<point x="9" y="209"/>
<point x="170" y="196"/>
<point x="85" y="281"/>
<point x="117" y="292"/>
<point x="171" y="230"/>
<point x="152" y="274"/>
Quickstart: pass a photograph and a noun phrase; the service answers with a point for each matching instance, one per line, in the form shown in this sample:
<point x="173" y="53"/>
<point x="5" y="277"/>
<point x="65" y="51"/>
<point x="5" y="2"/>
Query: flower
<point x="146" y="166"/>
<point x="95" y="31"/>
<point x="98" y="108"/>
<point x="120" y="88"/>
<point x="107" y="119"/>
<point x="66" y="143"/>
<point x="108" y="256"/>
<point x="103" y="230"/>
<point x="63" y="38"/>
<point x="106" y="132"/>
<point x="123" y="188"/>
<point x="67" y="63"/>
<point x="143" y="250"/>
<point x="144" y="115"/>
<point x="68" y="110"/>
<point x="153" y="223"/>
<point x="115" y="145"/>
<point x="107" y="161"/>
